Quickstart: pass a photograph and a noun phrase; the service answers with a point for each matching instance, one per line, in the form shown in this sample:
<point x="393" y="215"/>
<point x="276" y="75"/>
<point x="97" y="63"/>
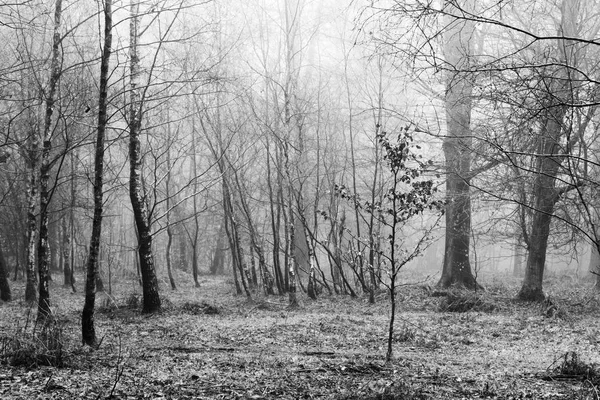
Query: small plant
<point x="133" y="301"/>
<point x="405" y="334"/>
<point x="551" y="309"/>
<point x="463" y="301"/>
<point x="571" y="365"/>
<point x="44" y="346"/>
<point x="410" y="193"/>
<point x="200" y="308"/>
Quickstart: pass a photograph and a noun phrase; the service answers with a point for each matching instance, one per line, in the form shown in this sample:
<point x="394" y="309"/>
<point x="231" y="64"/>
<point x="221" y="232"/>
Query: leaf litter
<point x="209" y="344"/>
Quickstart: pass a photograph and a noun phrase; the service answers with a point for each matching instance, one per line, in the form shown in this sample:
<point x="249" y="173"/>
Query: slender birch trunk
<point x="32" y="227"/>
<point x="43" y="250"/>
<point x="151" y="298"/>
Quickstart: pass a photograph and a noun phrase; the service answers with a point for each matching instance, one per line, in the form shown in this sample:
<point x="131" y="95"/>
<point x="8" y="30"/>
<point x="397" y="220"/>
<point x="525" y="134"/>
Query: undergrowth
<point x="34" y="345"/>
<point x="463" y="301"/>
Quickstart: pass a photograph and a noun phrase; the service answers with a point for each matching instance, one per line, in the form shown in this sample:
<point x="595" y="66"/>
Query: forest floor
<point x="209" y="343"/>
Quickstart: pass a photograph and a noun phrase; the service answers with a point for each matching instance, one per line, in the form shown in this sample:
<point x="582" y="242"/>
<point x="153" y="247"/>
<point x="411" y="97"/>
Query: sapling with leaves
<point x="410" y="194"/>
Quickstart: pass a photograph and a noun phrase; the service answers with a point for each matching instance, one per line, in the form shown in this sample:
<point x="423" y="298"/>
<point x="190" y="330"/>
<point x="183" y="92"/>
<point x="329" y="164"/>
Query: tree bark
<point x="169" y="270"/>
<point x="168" y="205"/>
<point x="66" y="261"/>
<point x="548" y="159"/>
<point x="151" y="298"/>
<point x="194" y="238"/>
<point x="5" y="294"/>
<point x="32" y="227"/>
<point x="545" y="198"/>
<point x="456" y="269"/>
<point x="216" y="264"/>
<point x="275" y="208"/>
<point x="88" y="330"/>
<point x="72" y="222"/>
<point x="594" y="265"/>
<point x="267" y="279"/>
<point x="518" y="251"/>
<point x="43" y="250"/>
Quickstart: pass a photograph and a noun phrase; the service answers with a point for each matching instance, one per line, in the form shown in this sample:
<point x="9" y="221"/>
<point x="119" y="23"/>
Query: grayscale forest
<point x="297" y="199"/>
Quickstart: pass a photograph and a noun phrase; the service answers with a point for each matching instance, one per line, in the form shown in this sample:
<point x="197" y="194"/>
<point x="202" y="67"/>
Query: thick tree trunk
<point x="594" y="265"/>
<point x="560" y="84"/>
<point x="518" y="255"/>
<point x="88" y="331"/>
<point x="151" y="298"/>
<point x="545" y="197"/>
<point x="456" y="269"/>
<point x="5" y="294"/>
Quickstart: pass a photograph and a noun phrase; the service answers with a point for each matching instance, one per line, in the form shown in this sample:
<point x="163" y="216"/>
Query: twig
<point x="118" y="371"/>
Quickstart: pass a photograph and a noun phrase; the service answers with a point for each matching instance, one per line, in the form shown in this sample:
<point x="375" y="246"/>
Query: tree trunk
<point x="518" y="251"/>
<point x="43" y="249"/>
<point x="216" y="264"/>
<point x="293" y="266"/>
<point x="275" y="207"/>
<point x="560" y="84"/>
<point x="71" y="233"/>
<point x="267" y="279"/>
<point x="151" y="298"/>
<point x="21" y="255"/>
<point x="456" y="269"/>
<point x="545" y="197"/>
<point x="32" y="227"/>
<point x="594" y="265"/>
<point x="54" y="240"/>
<point x="182" y="246"/>
<point x="169" y="271"/>
<point x="168" y="204"/>
<point x="88" y="330"/>
<point x="234" y="258"/>
<point x="5" y="294"/>
<point x="194" y="238"/>
<point x="66" y="231"/>
<point x="169" y="236"/>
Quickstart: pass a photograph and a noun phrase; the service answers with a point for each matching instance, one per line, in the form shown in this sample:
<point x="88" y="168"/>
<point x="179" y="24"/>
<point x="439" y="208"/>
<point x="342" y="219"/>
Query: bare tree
<point x="43" y="249"/>
<point x="151" y="298"/>
<point x="457" y="145"/>
<point x="88" y="330"/>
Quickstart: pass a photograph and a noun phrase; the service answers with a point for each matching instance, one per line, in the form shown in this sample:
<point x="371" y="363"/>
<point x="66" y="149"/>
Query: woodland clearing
<point x="209" y="343"/>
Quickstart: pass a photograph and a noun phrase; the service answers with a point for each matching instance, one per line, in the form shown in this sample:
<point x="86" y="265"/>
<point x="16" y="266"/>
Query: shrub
<point x="44" y="346"/>
<point x="463" y="301"/>
<point x="133" y="301"/>
<point x="200" y="308"/>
